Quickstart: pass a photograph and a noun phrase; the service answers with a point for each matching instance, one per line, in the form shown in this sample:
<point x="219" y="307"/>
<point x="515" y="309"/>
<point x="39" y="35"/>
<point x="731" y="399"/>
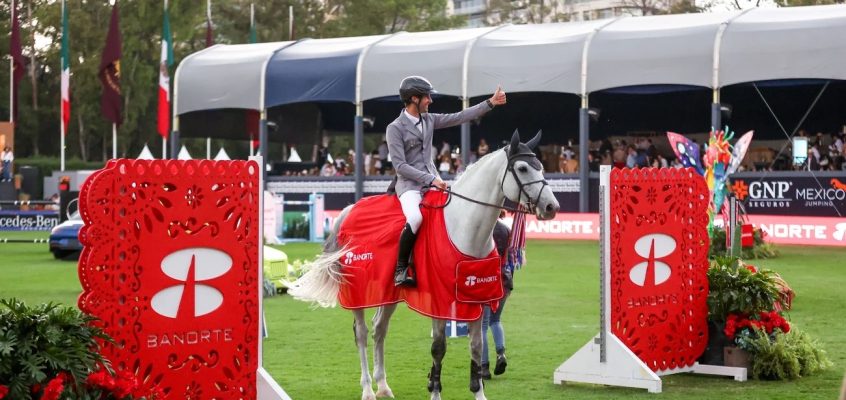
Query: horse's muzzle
<point x="547" y="209"/>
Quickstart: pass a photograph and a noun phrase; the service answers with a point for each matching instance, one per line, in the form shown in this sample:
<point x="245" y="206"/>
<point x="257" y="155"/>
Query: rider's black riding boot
<point x="406" y="244"/>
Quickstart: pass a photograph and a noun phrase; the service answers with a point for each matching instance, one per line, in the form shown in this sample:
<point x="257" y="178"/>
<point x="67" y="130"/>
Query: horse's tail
<point x="323" y="277"/>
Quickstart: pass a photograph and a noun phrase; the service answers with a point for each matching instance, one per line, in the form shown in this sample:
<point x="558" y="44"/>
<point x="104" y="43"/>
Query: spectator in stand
<point x="445" y="148"/>
<point x="483" y="148"/>
<point x="814" y="156"/>
<point x="383" y="157"/>
<point x="459" y="166"/>
<point x="837" y="140"/>
<point x="7" y="157"/>
<point x="631" y="157"/>
<point x="593" y="161"/>
<point x="567" y="153"/>
<point x="444" y="165"/>
<point x="328" y="170"/>
<point x="651" y="150"/>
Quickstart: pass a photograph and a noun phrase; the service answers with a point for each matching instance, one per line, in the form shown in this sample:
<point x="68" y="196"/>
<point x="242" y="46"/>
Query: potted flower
<point x="49" y="352"/>
<point x="743" y="329"/>
<point x="735" y="288"/>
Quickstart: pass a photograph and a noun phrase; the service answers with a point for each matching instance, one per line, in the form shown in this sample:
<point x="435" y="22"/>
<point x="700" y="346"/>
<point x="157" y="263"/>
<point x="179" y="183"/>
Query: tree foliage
<point x="89" y="134"/>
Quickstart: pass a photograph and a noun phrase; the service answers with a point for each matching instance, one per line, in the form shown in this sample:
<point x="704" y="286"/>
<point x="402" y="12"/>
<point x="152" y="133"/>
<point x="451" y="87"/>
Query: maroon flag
<point x="18" y="62"/>
<point x="111" y="102"/>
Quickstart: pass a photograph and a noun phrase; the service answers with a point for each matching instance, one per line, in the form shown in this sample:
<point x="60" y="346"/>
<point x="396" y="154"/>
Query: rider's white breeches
<point x="410" y="202"/>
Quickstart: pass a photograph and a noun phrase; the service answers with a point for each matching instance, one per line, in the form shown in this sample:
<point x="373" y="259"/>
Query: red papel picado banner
<point x="170" y="270"/>
<point x="659" y="283"/>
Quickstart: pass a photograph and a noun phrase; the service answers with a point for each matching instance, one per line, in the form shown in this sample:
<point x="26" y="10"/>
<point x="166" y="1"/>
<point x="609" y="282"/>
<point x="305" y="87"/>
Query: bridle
<point x="532" y="204"/>
<point x="512" y="158"/>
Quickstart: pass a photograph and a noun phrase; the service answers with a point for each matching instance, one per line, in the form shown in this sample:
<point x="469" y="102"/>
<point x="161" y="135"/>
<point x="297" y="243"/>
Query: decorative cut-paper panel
<point x="170" y="269"/>
<point x="659" y="283"/>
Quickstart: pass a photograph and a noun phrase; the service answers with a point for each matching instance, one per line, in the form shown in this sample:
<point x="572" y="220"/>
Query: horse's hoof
<point x="384" y="392"/>
<point x="368" y="395"/>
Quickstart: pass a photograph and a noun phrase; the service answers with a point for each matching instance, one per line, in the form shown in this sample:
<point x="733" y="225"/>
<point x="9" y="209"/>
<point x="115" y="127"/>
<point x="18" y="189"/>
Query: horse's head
<point x="523" y="182"/>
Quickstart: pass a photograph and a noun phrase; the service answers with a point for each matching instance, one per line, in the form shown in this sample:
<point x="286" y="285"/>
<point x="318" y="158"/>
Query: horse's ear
<point x="535" y="140"/>
<point x="515" y="142"/>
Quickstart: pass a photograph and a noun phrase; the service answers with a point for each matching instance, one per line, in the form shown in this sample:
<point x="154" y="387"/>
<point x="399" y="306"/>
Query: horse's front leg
<point x="476" y="385"/>
<point x="438" y="352"/>
<point x="360" y="330"/>
<point x="380" y="329"/>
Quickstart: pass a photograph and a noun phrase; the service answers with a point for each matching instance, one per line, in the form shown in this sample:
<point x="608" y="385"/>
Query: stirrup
<point x="403" y="278"/>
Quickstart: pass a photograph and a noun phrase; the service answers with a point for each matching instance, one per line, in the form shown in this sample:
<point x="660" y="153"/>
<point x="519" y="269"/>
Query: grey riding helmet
<point x="415" y="86"/>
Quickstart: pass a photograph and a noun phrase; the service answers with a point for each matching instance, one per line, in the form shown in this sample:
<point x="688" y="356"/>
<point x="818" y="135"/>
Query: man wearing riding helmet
<point x="410" y="146"/>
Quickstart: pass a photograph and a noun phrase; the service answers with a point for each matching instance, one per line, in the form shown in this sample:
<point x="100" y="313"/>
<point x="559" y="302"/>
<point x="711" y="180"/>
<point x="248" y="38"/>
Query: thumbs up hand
<point x="498" y="97"/>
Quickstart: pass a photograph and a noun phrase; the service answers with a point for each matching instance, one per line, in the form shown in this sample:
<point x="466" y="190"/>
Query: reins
<point x="521" y="185"/>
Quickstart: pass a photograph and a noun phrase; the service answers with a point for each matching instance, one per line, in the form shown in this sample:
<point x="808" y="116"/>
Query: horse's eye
<point x="523" y="169"/>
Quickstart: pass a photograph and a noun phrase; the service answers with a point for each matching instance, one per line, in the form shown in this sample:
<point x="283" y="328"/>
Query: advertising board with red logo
<point x="170" y="269"/>
<point x="818" y="194"/>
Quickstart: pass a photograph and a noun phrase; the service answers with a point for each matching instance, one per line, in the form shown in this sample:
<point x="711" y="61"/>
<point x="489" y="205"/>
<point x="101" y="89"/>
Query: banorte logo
<point x="472" y="280"/>
<point x="652" y="272"/>
<point x="191" y="299"/>
<point x="351" y="257"/>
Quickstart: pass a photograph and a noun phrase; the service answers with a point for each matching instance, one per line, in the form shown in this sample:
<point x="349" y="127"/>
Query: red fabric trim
<point x="371" y="232"/>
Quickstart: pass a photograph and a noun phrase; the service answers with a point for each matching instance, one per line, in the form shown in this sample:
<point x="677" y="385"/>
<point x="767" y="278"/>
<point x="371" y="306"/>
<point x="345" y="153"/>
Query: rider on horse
<point x="410" y="145"/>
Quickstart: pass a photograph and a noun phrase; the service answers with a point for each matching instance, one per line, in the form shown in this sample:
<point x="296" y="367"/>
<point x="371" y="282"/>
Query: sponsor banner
<point x="791" y="195"/>
<point x="816" y="231"/>
<point x="563" y="226"/>
<point x="28" y="220"/>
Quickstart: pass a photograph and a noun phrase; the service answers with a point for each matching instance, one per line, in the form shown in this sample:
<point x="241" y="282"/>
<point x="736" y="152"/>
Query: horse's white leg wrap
<point x="380" y="329"/>
<point x="475" y="333"/>
<point x="360" y="329"/>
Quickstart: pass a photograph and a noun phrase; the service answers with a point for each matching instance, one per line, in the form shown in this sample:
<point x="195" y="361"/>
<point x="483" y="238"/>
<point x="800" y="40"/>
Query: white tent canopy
<point x="439" y="56"/>
<point x="223" y="76"/>
<point x="784" y="43"/>
<point x="706" y="50"/>
<point x="671" y="49"/>
<point x="529" y="58"/>
<point x="183" y="154"/>
<point x="222" y="155"/>
<point x="146" y="154"/>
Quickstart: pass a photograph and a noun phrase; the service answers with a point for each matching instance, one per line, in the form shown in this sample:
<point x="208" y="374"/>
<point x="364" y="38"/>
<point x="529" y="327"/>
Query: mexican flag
<point x="164" y="79"/>
<point x="65" y="70"/>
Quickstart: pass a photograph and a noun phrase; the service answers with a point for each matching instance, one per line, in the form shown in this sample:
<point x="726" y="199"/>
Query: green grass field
<point x="552" y="312"/>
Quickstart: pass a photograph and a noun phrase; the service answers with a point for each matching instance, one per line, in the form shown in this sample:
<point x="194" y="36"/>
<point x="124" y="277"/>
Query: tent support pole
<point x="359" y="151"/>
<point x="584" y="147"/>
<point x="174" y="139"/>
<point x="465" y="136"/>
<point x="263" y="144"/>
<point x="716" y="114"/>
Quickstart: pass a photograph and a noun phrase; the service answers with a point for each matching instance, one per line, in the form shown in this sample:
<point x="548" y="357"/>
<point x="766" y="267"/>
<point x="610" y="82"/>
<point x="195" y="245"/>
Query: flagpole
<point x="114" y="140"/>
<point x="62" y="144"/>
<point x="61" y="98"/>
<point x="208" y="148"/>
<point x="290" y="22"/>
<point x="12" y="72"/>
<point x="164" y="138"/>
<point x="252" y="149"/>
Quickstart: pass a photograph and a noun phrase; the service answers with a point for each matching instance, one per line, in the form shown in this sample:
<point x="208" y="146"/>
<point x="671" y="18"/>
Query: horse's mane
<point x="480" y="163"/>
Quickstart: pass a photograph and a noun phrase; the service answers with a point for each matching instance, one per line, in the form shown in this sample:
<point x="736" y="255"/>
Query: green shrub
<point x="759" y="250"/>
<point x="735" y="288"/>
<point x="786" y="356"/>
<point x="38" y="343"/>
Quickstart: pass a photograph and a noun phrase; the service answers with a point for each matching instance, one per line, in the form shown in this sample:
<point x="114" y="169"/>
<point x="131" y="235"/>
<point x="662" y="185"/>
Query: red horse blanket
<point x="450" y="285"/>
